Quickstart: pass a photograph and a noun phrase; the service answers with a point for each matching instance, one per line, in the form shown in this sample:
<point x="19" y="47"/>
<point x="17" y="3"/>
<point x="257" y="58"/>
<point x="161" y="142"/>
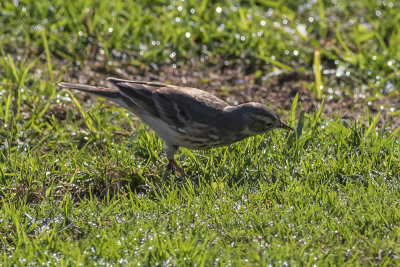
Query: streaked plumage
<point x="186" y="117"/>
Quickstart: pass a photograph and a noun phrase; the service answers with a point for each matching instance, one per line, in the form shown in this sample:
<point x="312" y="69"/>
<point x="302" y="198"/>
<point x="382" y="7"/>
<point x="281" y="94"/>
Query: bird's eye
<point x="259" y="126"/>
<point x="269" y="124"/>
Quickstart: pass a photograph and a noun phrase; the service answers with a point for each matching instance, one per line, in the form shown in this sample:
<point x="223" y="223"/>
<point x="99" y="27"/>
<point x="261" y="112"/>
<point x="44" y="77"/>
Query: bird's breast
<point x="194" y="135"/>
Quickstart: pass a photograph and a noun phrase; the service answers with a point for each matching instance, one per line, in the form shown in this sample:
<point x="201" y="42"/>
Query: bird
<point x="184" y="116"/>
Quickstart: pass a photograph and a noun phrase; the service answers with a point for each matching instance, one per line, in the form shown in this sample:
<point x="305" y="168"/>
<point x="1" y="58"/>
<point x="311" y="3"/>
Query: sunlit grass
<point x="359" y="39"/>
<point x="327" y="194"/>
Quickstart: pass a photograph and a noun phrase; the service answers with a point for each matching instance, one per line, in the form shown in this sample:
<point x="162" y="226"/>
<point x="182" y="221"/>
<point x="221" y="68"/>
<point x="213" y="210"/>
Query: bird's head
<point x="260" y="118"/>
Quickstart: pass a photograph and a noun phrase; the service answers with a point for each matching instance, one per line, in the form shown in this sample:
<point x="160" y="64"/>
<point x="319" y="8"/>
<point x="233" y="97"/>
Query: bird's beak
<point x="286" y="127"/>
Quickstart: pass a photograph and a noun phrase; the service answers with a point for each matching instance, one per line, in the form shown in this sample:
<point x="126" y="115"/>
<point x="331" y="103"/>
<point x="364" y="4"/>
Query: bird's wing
<point x="178" y="106"/>
<point x="187" y="105"/>
<point x="140" y="93"/>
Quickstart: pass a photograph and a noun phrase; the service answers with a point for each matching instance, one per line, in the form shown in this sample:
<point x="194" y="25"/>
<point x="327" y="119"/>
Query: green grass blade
<point x="292" y="114"/>
<point x="48" y="55"/>
<point x="317" y="73"/>
<point x="86" y="117"/>
<point x="318" y="115"/>
<point x="372" y="126"/>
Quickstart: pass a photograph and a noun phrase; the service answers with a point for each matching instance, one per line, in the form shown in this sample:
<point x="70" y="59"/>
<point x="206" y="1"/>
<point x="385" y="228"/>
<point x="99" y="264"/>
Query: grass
<point x="83" y="182"/>
<point x="330" y="197"/>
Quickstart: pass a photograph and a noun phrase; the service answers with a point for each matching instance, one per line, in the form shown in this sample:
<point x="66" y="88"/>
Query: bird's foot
<point x="173" y="166"/>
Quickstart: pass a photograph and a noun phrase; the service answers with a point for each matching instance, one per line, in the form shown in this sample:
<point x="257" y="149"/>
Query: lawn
<point x="84" y="182"/>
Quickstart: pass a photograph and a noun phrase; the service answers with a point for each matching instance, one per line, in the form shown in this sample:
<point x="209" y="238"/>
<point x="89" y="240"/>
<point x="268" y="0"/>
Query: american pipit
<point x="187" y="117"/>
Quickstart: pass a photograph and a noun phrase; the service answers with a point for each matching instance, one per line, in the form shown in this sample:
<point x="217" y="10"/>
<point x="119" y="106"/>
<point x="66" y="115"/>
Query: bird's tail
<point x="110" y="93"/>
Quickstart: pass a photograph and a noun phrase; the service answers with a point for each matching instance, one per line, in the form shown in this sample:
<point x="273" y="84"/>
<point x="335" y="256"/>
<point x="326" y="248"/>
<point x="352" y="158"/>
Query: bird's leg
<point x="172" y="165"/>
